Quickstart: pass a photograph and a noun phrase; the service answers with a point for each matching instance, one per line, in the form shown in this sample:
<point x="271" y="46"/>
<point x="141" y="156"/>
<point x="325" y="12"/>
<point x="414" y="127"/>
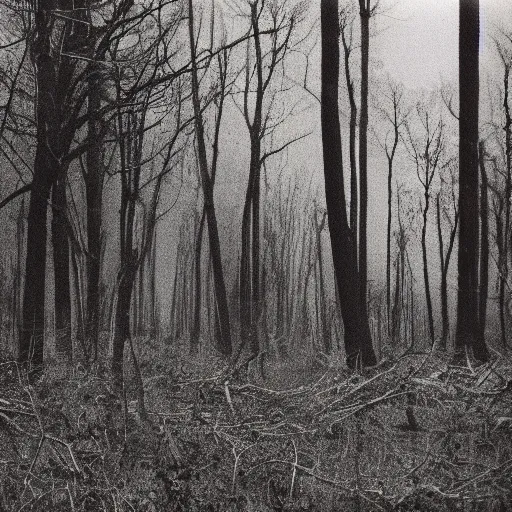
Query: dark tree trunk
<point x="358" y="342"/>
<point x="505" y="229"/>
<point x="444" y="291"/>
<point x="79" y="306"/>
<point x="196" y="327"/>
<point x="60" y="244"/>
<point x="207" y="184"/>
<point x="152" y="296"/>
<point x="352" y="134"/>
<point x="445" y="264"/>
<point x="256" y="235"/>
<point x="93" y="193"/>
<point x="484" y="246"/>
<point x="31" y="344"/>
<point x="32" y="332"/>
<point x="365" y="12"/>
<point x="326" y="335"/>
<point x="395" y="328"/>
<point x="245" y="268"/>
<point x="250" y="251"/>
<point x="467" y="305"/>
<point x="426" y="280"/>
<point x="121" y="324"/>
<point x="388" y="242"/>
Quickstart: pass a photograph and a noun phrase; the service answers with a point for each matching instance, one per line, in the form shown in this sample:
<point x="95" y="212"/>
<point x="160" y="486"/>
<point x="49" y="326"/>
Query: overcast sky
<point x="419" y="38"/>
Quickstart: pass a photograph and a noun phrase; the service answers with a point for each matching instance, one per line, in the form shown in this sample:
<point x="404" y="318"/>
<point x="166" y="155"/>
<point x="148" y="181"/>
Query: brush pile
<point x="412" y="434"/>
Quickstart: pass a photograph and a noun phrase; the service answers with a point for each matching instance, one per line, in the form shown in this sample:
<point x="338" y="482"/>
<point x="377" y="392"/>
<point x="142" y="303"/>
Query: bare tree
<point x="56" y="125"/>
<point x="396" y="116"/>
<point x="483" y="291"/>
<point x="222" y="309"/>
<point x="260" y="94"/>
<point x="446" y="208"/>
<point x="503" y="193"/>
<point x="347" y="20"/>
<point x="426" y="151"/>
<point x="358" y="342"/>
<point x="366" y="11"/>
<point x="221" y="91"/>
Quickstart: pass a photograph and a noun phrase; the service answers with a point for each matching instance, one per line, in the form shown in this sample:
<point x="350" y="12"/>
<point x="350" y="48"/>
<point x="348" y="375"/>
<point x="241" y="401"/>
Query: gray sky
<point x="419" y="38"/>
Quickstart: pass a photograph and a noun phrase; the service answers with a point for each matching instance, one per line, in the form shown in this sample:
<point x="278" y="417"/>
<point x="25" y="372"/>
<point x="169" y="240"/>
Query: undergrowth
<point x="411" y="434"/>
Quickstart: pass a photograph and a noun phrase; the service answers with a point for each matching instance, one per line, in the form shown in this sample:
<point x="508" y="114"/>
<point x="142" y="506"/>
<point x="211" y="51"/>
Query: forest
<point x="255" y="255"/>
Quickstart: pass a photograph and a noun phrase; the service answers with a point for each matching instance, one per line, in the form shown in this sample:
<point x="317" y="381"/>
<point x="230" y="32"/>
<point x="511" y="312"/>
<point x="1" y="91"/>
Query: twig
<point x="294" y="472"/>
<point x="228" y="397"/>
<point x="68" y="446"/>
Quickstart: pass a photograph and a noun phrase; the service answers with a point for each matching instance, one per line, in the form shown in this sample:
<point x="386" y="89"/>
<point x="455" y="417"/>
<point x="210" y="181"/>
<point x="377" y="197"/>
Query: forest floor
<point x="413" y="433"/>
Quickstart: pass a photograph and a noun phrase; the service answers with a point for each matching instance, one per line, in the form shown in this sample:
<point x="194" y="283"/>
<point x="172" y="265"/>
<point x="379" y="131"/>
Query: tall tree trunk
<point x="484" y="246"/>
<point x="388" y="242"/>
<point x="358" y="342"/>
<point x="467" y="305"/>
<point x="444" y="284"/>
<point x="152" y="296"/>
<point x="45" y="168"/>
<point x="121" y="324"/>
<point x="79" y="303"/>
<point x="255" y="246"/>
<point x="32" y="332"/>
<point x="352" y="133"/>
<point x="206" y="179"/>
<point x="245" y="268"/>
<point x="250" y="250"/>
<point x="93" y="193"/>
<point x="395" y="328"/>
<point x="196" y="327"/>
<point x="504" y="245"/>
<point x="326" y="335"/>
<point x="428" y="297"/>
<point x="365" y="12"/>
<point x="60" y="244"/>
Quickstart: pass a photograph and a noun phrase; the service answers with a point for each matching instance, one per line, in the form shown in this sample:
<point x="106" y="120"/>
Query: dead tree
<point x="396" y="117"/>
<point x="426" y="151"/>
<point x="263" y="63"/>
<point x="450" y="213"/>
<point x="503" y="193"/>
<point x="225" y="345"/>
<point x="403" y="232"/>
<point x="56" y="121"/>
<point x="221" y="91"/>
